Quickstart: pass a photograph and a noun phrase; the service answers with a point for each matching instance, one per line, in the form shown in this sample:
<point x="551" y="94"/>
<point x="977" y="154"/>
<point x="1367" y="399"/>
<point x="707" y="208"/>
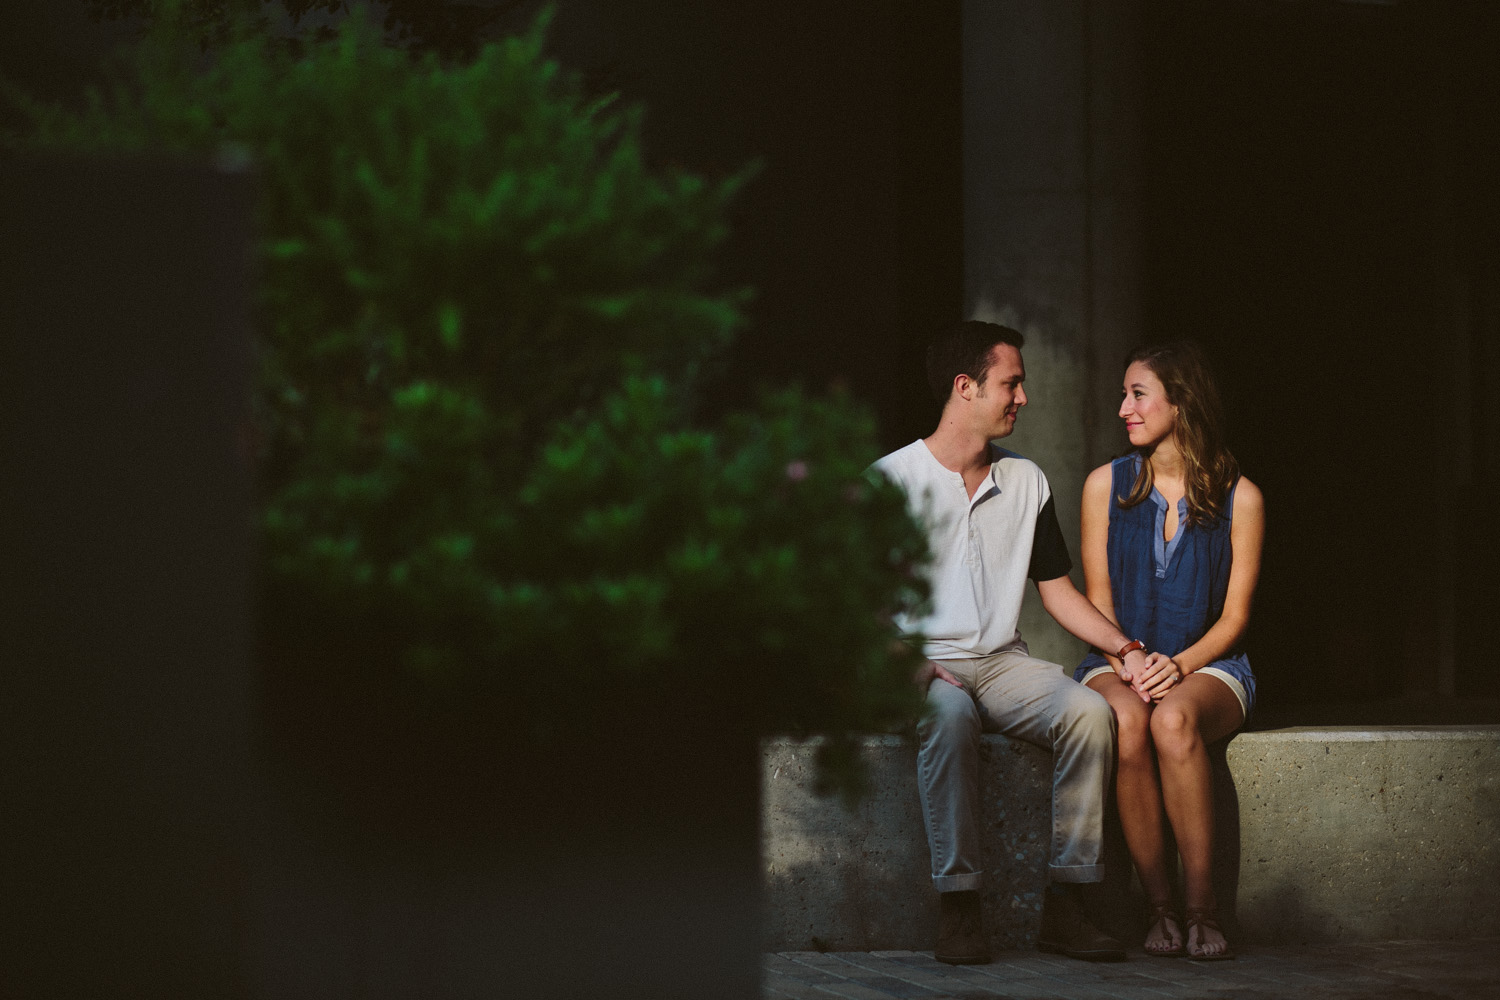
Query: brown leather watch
<point x="1130" y="647"/>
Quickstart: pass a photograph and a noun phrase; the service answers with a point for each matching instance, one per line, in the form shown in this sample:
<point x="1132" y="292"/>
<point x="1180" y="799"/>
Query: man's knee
<point x="950" y="714"/>
<point x="1088" y="716"/>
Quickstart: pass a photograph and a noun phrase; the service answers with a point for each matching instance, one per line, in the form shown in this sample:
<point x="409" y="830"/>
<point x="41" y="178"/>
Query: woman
<point x="1171" y="552"/>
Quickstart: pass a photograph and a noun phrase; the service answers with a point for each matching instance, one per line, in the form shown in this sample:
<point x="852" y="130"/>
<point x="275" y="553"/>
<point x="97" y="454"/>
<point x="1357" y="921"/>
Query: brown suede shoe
<point x="961" y="930"/>
<point x="1066" y="931"/>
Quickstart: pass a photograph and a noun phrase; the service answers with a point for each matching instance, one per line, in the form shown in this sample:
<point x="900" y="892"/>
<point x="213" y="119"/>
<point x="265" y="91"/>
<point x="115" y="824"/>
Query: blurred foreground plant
<point x="481" y="322"/>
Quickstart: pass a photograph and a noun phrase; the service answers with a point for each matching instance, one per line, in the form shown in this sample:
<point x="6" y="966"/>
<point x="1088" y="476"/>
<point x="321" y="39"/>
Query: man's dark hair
<point x="964" y="349"/>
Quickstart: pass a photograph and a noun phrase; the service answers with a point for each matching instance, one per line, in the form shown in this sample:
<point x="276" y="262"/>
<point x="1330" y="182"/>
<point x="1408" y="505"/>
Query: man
<point x="991" y="524"/>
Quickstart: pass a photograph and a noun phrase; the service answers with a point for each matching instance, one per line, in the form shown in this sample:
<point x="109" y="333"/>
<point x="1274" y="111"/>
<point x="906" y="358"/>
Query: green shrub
<point x="481" y="319"/>
<point x="438" y="25"/>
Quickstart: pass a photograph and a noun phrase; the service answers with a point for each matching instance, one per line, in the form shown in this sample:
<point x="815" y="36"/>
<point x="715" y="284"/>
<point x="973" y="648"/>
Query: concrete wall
<point x="1325" y="835"/>
<point x="860" y="880"/>
<point x="1350" y="834"/>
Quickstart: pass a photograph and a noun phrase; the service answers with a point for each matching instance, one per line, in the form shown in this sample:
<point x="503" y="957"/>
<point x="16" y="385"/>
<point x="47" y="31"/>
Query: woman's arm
<point x="1245" y="537"/>
<point x="1094" y="530"/>
<point x="1095" y="543"/>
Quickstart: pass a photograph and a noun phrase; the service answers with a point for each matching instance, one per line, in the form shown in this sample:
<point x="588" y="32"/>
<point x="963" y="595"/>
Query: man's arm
<point x="1049" y="571"/>
<point x="1078" y="615"/>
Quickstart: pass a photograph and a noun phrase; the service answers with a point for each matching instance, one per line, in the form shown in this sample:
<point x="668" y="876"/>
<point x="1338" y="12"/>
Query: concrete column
<point x="1052" y="196"/>
<point x="126" y="723"/>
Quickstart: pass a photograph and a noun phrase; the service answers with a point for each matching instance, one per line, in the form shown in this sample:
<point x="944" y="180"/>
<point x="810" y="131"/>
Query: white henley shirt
<point x="983" y="547"/>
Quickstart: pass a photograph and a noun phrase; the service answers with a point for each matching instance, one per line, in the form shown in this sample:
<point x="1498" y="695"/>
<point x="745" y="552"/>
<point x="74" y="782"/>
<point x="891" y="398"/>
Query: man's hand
<point x="932" y="669"/>
<point x="1133" y="670"/>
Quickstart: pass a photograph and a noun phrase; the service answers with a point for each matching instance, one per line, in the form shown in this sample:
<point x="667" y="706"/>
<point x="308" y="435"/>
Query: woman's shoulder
<point x="1101" y="478"/>
<point x="1248" y="499"/>
<point x="1098" y="481"/>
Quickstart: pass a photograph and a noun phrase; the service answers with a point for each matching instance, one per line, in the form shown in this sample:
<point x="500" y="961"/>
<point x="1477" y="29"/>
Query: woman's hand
<point x="1162" y="674"/>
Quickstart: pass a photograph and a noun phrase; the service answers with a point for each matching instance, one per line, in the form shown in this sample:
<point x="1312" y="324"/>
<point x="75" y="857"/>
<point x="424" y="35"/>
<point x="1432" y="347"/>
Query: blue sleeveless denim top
<point x="1167" y="594"/>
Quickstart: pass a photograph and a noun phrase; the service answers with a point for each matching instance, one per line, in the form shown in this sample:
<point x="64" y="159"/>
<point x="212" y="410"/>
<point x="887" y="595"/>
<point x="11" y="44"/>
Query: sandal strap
<point x="1161" y="913"/>
<point x="1203" y="917"/>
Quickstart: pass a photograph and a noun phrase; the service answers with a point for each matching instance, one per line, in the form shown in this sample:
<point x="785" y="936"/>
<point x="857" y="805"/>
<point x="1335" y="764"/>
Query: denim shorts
<point x="1233" y="671"/>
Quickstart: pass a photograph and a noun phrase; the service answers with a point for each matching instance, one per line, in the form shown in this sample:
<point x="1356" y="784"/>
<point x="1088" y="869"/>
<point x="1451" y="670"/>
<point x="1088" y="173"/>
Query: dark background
<point x="1320" y="194"/>
<point x="1320" y="191"/>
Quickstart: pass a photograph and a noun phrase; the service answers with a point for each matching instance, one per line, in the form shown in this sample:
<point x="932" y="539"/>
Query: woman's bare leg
<point x="1138" y="793"/>
<point x="1199" y="711"/>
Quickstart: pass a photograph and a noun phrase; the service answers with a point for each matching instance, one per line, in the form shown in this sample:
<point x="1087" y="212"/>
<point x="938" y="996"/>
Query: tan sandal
<point x="1160" y="913"/>
<point x="1206" y="918"/>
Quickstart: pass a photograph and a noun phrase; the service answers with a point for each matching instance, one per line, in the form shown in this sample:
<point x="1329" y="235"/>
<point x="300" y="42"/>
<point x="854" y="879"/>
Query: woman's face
<point x="1149" y="418"/>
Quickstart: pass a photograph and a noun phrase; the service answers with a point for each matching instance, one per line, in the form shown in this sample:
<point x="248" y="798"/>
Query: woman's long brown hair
<point x="1209" y="470"/>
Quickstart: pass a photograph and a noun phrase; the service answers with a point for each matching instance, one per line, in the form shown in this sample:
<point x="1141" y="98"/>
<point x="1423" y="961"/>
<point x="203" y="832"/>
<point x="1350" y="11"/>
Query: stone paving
<point x="1389" y="970"/>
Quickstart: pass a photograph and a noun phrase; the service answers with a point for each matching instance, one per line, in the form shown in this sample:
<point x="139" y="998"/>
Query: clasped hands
<point x="1151" y="681"/>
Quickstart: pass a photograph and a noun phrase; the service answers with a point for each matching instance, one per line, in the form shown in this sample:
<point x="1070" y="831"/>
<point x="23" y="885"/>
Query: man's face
<point x="1001" y="395"/>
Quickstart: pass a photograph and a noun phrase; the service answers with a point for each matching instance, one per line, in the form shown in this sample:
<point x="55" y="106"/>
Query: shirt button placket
<point x="973" y="554"/>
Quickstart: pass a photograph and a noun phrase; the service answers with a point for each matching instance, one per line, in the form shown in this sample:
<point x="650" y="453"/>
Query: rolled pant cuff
<point x="957" y="883"/>
<point x="1075" y="873"/>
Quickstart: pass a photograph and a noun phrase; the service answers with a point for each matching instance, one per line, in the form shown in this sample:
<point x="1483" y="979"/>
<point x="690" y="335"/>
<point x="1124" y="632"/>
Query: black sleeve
<point x="1049" y="553"/>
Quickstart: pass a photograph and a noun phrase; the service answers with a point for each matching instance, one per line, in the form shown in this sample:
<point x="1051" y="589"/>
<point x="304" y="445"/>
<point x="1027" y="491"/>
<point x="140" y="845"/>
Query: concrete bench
<point x="1325" y="834"/>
